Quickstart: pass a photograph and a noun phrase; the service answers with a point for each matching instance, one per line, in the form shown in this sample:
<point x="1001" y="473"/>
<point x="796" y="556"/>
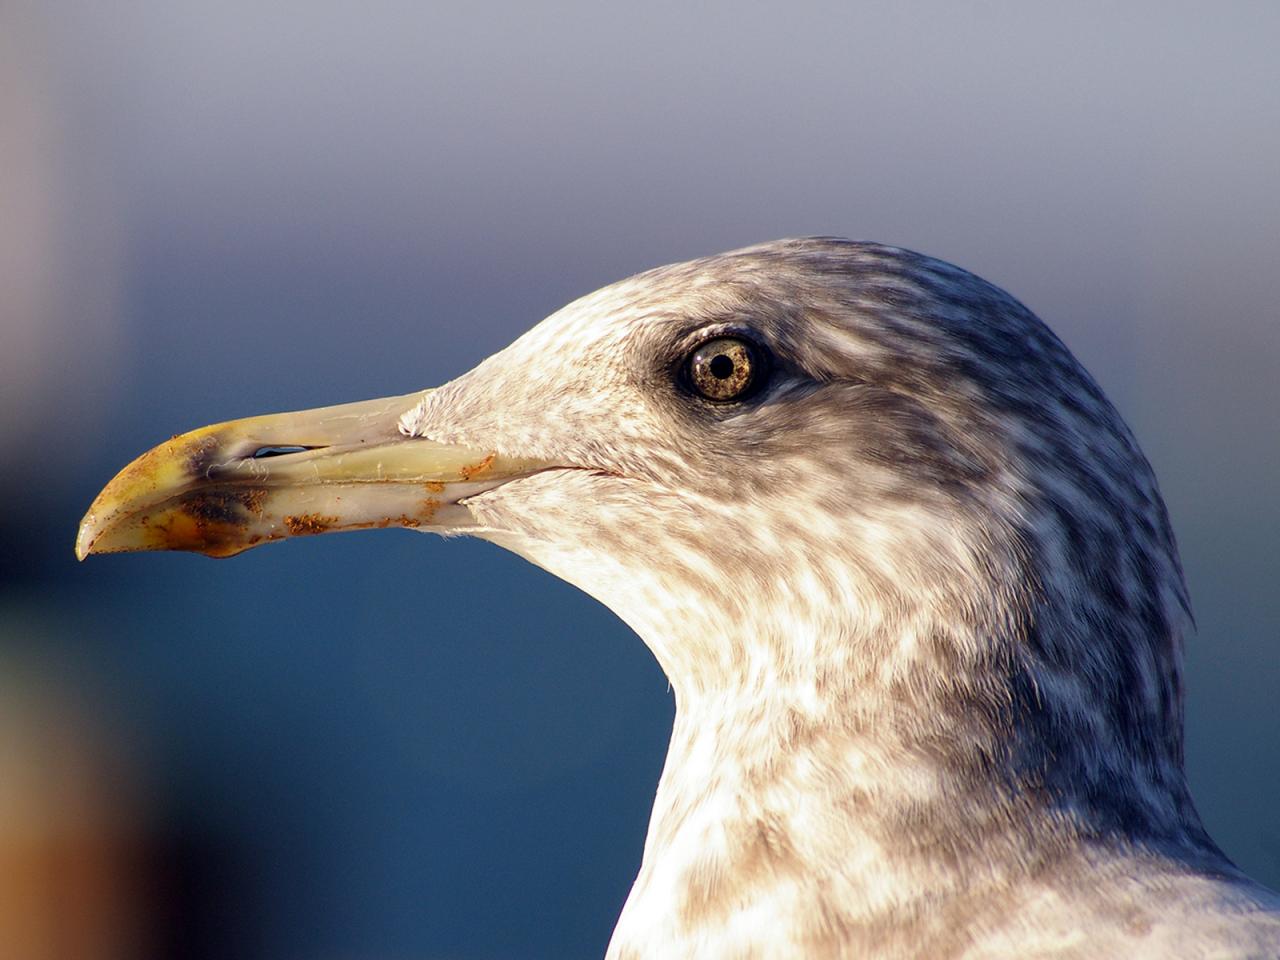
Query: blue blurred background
<point x="382" y="746"/>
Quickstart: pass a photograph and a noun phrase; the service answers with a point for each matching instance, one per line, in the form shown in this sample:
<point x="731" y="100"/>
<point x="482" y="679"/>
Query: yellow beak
<point x="225" y="488"/>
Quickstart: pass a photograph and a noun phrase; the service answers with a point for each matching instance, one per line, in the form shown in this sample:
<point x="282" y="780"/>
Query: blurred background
<point x="380" y="747"/>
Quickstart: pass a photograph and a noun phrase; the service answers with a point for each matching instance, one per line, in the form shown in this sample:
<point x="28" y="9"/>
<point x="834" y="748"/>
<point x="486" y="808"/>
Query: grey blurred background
<point x="382" y="747"/>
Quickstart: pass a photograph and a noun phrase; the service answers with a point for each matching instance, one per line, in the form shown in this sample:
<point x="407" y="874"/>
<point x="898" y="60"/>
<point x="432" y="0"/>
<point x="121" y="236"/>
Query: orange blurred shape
<point x="70" y="863"/>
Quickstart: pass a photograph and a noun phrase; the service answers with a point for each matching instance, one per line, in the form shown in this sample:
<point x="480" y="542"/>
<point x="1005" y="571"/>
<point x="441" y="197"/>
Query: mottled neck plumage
<point x="857" y="808"/>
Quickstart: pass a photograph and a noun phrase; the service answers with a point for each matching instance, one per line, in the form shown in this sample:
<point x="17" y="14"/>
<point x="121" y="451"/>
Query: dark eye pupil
<point x="721" y="367"/>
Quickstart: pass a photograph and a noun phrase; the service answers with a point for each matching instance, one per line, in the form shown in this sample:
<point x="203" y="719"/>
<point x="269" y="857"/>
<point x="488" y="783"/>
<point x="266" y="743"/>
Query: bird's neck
<point x="779" y="823"/>
<point x="817" y="818"/>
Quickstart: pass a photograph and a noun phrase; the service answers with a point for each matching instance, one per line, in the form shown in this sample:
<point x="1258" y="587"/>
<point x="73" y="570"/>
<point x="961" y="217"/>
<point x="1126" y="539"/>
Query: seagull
<point x="907" y="571"/>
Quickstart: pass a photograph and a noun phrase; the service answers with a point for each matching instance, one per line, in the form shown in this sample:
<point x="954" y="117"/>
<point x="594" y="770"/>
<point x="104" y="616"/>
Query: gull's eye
<point x="725" y="368"/>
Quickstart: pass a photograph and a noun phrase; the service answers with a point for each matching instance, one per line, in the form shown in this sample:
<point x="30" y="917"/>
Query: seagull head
<point x="848" y="479"/>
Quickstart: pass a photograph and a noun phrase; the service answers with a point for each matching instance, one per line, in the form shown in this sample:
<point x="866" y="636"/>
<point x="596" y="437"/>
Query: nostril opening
<point x="263" y="452"/>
